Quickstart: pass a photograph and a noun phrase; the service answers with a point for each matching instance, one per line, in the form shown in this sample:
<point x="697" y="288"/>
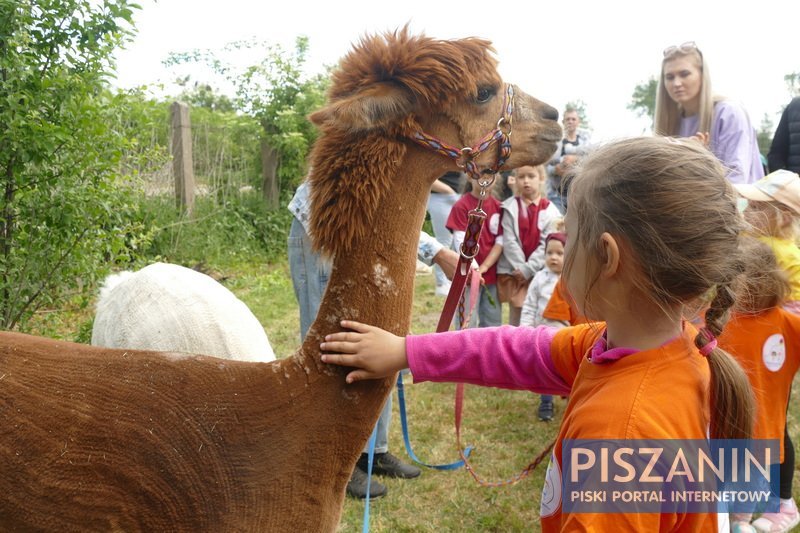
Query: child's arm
<point x="505" y="357"/>
<point x="547" y="225"/>
<point x="528" y="316"/>
<point x="512" y="248"/>
<point x="442" y="188"/>
<point x="491" y="259"/>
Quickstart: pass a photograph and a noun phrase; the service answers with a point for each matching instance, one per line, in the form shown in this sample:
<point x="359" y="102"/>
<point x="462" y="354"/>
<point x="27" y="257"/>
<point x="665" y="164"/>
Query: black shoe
<point x="546" y="411"/>
<point x="357" y="486"/>
<point x="386" y="464"/>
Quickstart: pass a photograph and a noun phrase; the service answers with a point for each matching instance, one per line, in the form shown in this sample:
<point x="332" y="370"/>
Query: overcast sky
<point x="557" y="51"/>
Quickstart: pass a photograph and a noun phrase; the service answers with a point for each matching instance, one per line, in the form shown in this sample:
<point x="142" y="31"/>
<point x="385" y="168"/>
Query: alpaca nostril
<point x="550" y="113"/>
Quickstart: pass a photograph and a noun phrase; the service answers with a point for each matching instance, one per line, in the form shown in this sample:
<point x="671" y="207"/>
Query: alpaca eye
<point x="484" y="94"/>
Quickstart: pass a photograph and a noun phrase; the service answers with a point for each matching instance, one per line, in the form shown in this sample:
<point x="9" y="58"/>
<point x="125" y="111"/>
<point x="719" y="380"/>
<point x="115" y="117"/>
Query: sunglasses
<point x="683" y="48"/>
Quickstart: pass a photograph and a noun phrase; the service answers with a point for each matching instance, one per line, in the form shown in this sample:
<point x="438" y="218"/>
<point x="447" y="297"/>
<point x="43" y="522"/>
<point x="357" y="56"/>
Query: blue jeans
<point x="310" y="275"/>
<point x="485" y="314"/>
<point x="439" y="206"/>
<point x="557" y="200"/>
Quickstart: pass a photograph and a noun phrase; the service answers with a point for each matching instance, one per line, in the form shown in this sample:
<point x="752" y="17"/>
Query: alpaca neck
<point x="374" y="282"/>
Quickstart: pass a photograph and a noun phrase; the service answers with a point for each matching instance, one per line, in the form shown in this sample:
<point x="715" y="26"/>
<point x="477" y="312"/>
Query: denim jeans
<point x="310" y="275"/>
<point x="557" y="199"/>
<point x="488" y="311"/>
<point x="439" y="206"/>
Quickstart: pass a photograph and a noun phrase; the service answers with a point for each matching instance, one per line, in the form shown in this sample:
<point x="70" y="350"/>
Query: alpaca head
<point x="388" y="88"/>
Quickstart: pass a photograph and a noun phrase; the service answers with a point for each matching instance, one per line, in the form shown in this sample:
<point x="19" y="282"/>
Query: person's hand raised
<point x="374" y="352"/>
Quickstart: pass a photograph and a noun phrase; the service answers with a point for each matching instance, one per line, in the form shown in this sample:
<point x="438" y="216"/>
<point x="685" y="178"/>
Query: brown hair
<point x="763" y="284"/>
<point x="669" y="205"/>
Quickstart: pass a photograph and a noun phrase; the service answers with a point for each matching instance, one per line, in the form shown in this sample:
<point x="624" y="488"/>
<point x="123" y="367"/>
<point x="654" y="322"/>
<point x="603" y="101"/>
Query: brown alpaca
<point x="95" y="439"/>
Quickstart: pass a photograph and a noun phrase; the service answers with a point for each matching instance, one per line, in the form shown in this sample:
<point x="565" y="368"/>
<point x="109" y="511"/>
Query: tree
<point x="793" y="83"/>
<point x="275" y="93"/>
<point x="643" y="99"/>
<point x="62" y="217"/>
<point x="204" y="95"/>
<point x="765" y="132"/>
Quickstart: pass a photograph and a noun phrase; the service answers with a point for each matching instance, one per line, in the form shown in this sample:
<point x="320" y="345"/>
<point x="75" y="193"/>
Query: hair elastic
<point x="706" y="349"/>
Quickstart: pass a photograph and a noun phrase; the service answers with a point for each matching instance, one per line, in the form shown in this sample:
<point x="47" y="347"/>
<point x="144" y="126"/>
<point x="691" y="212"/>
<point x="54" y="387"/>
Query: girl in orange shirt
<point x="765" y="339"/>
<point x="651" y="225"/>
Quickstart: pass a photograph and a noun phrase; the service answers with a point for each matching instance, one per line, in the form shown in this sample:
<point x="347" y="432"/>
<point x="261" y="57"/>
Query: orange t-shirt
<point x="561" y="307"/>
<point x="767" y="346"/>
<point x="654" y="394"/>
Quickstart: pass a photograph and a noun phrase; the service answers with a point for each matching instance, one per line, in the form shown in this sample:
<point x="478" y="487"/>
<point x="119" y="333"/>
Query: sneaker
<point x="386" y="464"/>
<point x="784" y="520"/>
<point x="546" y="411"/>
<point x="357" y="486"/>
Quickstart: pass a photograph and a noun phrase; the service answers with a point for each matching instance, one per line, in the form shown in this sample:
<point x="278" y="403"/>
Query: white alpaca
<point x="166" y="307"/>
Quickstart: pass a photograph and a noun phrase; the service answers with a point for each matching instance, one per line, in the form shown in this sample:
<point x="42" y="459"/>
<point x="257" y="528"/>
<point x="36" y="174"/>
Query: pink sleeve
<point x="506" y="357"/>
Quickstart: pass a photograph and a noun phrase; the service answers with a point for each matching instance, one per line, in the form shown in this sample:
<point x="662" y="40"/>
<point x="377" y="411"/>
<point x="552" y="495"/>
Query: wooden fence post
<point x="269" y="173"/>
<point x="182" y="164"/>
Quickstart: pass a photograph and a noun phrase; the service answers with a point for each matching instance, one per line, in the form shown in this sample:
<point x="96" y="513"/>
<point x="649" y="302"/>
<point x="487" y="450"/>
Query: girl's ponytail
<point x="731" y="397"/>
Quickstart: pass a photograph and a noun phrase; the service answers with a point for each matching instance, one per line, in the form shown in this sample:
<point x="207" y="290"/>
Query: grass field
<point x="502" y="425"/>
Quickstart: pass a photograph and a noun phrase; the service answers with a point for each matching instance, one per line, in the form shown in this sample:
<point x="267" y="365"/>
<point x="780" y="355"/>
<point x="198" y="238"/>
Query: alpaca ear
<point x="376" y="107"/>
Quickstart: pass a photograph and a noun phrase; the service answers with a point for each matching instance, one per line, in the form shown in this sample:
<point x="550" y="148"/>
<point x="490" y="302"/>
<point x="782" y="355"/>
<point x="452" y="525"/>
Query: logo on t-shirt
<point x="551" y="492"/>
<point x="774" y="352"/>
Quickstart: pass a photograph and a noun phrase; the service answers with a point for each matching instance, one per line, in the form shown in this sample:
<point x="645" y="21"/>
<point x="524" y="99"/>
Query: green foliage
<point x="793" y="83"/>
<point x="142" y="125"/>
<point x="765" y="132"/>
<point x="202" y="95"/>
<point x="225" y="149"/>
<point x="219" y="234"/>
<point x="274" y="92"/>
<point x="643" y="99"/>
<point x="63" y="213"/>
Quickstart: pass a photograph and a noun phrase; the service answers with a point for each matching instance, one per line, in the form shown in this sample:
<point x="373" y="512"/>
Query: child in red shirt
<point x="528" y="218"/>
<point x="641" y="371"/>
<point x="488" y="310"/>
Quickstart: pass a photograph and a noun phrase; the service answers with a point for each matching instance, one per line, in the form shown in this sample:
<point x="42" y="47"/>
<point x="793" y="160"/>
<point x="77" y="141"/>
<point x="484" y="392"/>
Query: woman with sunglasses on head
<point x="686" y="107"/>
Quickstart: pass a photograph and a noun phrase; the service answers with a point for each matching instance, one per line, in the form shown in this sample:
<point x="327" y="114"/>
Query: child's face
<point x="554" y="256"/>
<point x="528" y="182"/>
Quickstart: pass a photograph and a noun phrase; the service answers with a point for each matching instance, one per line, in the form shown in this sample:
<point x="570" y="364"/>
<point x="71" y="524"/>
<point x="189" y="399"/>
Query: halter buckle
<point x="465" y="157"/>
<point x="503" y="121"/>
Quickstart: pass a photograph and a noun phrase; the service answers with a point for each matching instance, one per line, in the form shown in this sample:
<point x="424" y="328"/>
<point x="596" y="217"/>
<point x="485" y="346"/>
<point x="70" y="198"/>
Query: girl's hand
<point x="374" y="352"/>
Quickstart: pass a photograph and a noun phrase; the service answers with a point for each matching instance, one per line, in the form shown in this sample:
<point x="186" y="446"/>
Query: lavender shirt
<point x="734" y="141"/>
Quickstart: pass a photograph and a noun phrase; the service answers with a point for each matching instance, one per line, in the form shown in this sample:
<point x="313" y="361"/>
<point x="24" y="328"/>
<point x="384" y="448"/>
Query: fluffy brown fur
<point x="111" y="440"/>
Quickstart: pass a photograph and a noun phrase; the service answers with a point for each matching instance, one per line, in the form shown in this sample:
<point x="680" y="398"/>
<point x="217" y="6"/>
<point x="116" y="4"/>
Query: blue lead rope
<point x="404" y="421"/>
<point x="401" y="397"/>
<point x="370" y="457"/>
